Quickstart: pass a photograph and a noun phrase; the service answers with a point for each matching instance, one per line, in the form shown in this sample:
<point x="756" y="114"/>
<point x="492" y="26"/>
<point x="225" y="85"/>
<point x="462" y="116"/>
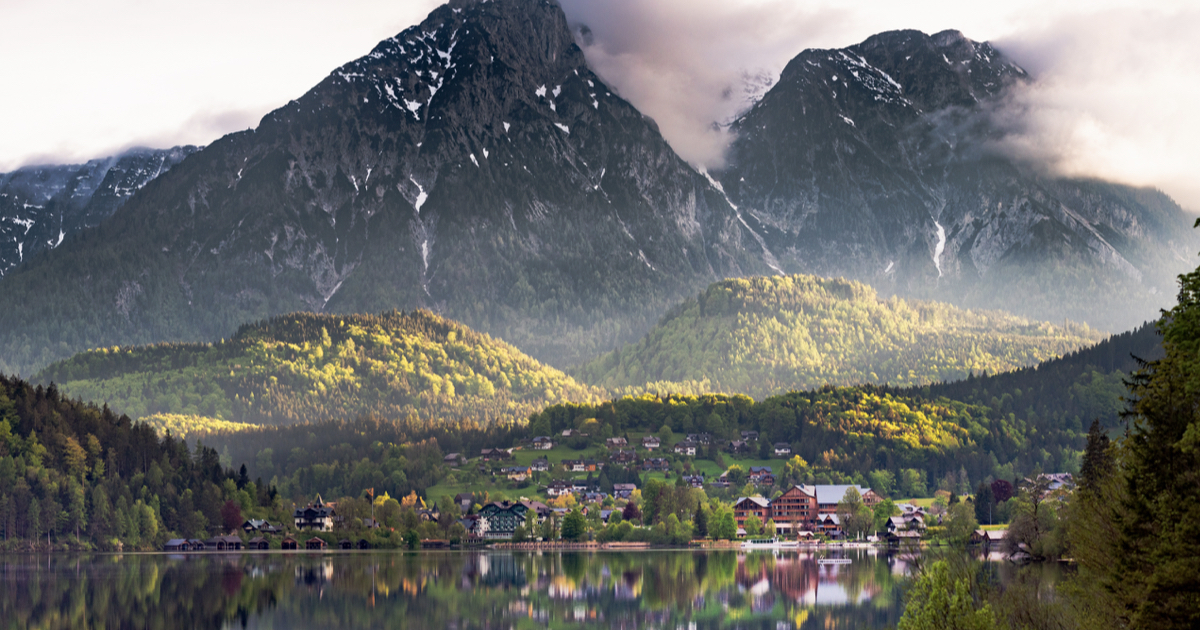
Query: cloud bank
<point x="1115" y="81"/>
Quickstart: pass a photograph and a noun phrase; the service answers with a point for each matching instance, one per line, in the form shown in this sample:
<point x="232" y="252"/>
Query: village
<point x="541" y="493"/>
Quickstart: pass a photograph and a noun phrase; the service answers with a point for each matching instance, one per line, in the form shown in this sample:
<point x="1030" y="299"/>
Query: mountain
<point x="769" y="335"/>
<point x="472" y="165"/>
<point x="41" y="206"/>
<point x="883" y="162"/>
<point x="305" y="367"/>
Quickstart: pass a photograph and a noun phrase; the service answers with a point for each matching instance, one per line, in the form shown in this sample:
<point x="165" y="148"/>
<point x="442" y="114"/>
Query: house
<point x="558" y="488"/>
<point x="516" y="473"/>
<point x="500" y="519"/>
<point x="830" y="525"/>
<point x="543" y="443"/>
<point x="906" y="522"/>
<point x="223" y="543"/>
<point x="739" y="446"/>
<point x="179" y="544"/>
<point x="258" y="543"/>
<point x="541" y="510"/>
<point x="902" y="537"/>
<point x="783" y="449"/>
<point x="540" y="465"/>
<point x="989" y="538"/>
<point x="574" y="465"/>
<point x="363" y="543"/>
<point x="655" y="464"/>
<point x="471" y="523"/>
<point x="794" y="510"/>
<point x="464" y="501"/>
<point x="253" y="525"/>
<point x="578" y="486"/>
<point x="569" y="433"/>
<point x="695" y="481"/>
<point x="745" y="507"/>
<point x="605" y="514"/>
<point x="623" y="457"/>
<point x="700" y="438"/>
<point x="1057" y="481"/>
<point x="623" y="490"/>
<point x="453" y="460"/>
<point x="427" y="514"/>
<point x="345" y="544"/>
<point x="289" y="543"/>
<point x="370" y="523"/>
<point x="591" y="465"/>
<point x="616" y="442"/>
<point x="260" y="526"/>
<point x="594" y="497"/>
<point x="315" y="544"/>
<point x="494" y="454"/>
<point x="316" y="516"/>
<point x="686" y="447"/>
<point x="650" y="442"/>
<point x="749" y="436"/>
<point x="762" y="476"/>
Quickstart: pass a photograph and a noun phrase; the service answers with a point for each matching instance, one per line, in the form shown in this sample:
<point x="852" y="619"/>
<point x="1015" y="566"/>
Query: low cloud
<point x="1113" y="97"/>
<point x="694" y="64"/>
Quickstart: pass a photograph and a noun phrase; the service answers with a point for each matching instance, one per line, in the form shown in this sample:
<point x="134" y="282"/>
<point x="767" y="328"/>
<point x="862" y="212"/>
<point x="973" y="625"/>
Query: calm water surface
<point x="651" y="589"/>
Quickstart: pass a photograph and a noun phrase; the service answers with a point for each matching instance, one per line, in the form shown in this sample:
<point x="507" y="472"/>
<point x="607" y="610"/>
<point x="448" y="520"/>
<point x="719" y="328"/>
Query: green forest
<point x="768" y="335"/>
<point x="305" y="368"/>
<point x="78" y="476"/>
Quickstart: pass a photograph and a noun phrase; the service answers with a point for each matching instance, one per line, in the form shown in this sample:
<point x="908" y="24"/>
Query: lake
<point x="485" y="589"/>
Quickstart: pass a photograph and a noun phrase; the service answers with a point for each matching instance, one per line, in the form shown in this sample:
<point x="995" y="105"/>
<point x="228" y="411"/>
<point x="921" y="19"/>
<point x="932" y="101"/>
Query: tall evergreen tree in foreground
<point x="1157" y="561"/>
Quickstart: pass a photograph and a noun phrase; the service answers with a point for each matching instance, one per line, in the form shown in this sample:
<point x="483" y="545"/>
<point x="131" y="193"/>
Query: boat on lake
<point x="769" y="544"/>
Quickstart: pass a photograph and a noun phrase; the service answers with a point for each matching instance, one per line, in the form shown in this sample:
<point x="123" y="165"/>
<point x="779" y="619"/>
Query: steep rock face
<point x="878" y="162"/>
<point x="41" y="206"/>
<point x="472" y="165"/>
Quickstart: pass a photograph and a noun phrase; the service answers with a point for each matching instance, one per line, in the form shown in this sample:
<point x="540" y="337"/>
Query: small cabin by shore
<point x="316" y="544"/>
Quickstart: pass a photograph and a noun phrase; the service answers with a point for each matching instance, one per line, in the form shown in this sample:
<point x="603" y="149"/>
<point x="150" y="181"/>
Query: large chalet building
<point x="317" y="515"/>
<point x="801" y="508"/>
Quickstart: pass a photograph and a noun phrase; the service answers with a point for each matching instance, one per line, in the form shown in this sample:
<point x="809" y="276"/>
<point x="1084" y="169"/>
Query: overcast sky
<point x="1116" y="95"/>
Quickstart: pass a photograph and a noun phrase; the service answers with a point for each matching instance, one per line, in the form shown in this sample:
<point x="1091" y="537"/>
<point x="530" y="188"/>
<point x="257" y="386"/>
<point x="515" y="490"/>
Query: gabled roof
<point x="830" y="494"/>
<point x="761" y="502"/>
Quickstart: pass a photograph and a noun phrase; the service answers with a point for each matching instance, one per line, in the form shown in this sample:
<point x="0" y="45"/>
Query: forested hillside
<point x="848" y="430"/>
<point x="306" y="368"/>
<point x="1064" y="393"/>
<point x="73" y="473"/>
<point x="767" y="335"/>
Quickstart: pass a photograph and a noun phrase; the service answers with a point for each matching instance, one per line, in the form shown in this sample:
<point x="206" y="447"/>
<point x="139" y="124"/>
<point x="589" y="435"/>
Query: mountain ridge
<point x="43" y="205"/>
<point x="472" y="165"/>
<point x="881" y="162"/>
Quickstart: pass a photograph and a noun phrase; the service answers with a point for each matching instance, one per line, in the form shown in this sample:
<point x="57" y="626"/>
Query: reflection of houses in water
<point x="526" y="609"/>
<point x="315" y="574"/>
<point x="801" y="578"/>
<point x="499" y="570"/>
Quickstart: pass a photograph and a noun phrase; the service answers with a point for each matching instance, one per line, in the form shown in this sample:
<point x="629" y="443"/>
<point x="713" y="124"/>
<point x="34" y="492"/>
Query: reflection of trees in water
<point x="422" y="590"/>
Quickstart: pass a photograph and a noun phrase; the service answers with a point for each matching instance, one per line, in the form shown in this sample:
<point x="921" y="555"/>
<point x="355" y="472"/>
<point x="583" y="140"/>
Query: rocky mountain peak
<point x="472" y="165"/>
<point x="879" y="162"/>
